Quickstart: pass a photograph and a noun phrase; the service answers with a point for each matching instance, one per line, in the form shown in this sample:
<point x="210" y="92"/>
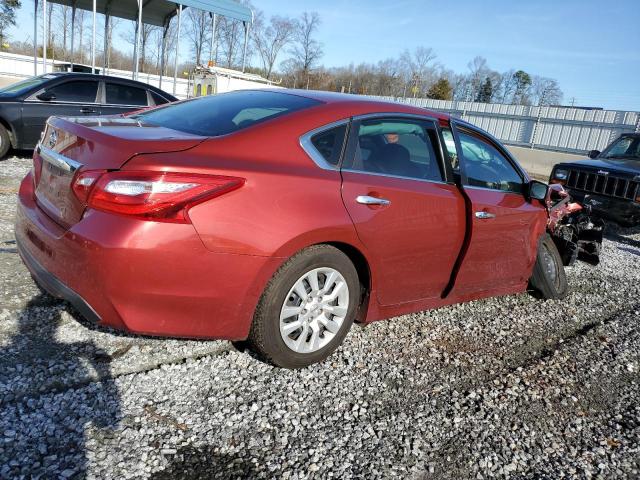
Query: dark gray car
<point x="26" y="105"/>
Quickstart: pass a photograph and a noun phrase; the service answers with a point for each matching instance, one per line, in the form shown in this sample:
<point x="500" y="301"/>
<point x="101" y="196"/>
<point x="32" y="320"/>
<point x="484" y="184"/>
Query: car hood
<point x="627" y="165"/>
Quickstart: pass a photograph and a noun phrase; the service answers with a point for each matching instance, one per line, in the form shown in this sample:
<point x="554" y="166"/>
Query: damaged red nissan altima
<point x="281" y="217"/>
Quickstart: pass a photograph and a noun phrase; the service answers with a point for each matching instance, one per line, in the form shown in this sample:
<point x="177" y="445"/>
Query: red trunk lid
<point x="70" y="145"/>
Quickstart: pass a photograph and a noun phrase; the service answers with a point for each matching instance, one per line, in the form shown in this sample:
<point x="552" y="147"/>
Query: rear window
<point x="226" y="113"/>
<point x="119" y="94"/>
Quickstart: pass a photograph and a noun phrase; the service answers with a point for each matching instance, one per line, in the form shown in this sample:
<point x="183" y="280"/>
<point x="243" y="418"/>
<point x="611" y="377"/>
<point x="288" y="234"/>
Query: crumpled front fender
<point x="576" y="235"/>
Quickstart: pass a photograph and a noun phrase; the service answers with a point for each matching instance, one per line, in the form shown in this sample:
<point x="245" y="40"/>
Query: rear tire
<point x="293" y="332"/>
<point x="5" y="142"/>
<point x="549" y="278"/>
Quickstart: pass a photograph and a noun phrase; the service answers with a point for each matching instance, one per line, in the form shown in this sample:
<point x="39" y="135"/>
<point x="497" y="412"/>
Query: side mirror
<point x="46" y="96"/>
<point x="594" y="153"/>
<point x="538" y="190"/>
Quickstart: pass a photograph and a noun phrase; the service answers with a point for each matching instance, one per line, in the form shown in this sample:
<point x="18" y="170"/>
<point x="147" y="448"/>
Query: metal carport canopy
<point x="151" y="12"/>
<point x="157" y="12"/>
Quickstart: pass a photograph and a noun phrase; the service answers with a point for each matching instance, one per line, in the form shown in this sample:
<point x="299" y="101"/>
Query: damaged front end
<point x="575" y="233"/>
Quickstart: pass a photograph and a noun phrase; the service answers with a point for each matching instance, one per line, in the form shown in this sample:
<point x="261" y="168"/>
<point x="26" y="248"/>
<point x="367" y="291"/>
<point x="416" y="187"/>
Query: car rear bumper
<point x="55" y="287"/>
<point x="625" y="212"/>
<point x="141" y="276"/>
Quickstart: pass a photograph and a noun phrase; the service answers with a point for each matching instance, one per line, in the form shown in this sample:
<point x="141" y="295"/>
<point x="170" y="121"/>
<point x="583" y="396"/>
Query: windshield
<point x="24" y="85"/>
<point x="624" y="147"/>
<point x="216" y="115"/>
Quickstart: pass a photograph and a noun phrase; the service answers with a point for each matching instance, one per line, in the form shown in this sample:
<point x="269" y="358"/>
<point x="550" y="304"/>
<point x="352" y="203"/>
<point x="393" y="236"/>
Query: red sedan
<point x="279" y="217"/>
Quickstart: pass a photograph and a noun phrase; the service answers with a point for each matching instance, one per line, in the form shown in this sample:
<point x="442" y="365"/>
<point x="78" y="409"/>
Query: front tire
<point x="306" y="309"/>
<point x="549" y="279"/>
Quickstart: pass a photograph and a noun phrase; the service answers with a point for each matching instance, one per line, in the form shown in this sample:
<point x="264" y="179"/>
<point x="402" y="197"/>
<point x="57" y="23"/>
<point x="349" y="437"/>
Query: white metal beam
<point x="93" y="40"/>
<point x="136" y="54"/>
<point x="35" y="37"/>
<point x="44" y="36"/>
<point x="175" y="66"/>
<point x="73" y="30"/>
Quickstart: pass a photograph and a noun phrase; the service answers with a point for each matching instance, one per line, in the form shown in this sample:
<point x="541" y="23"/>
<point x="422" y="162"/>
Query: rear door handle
<point x="367" y="200"/>
<point x="88" y="110"/>
<point x="485" y="215"/>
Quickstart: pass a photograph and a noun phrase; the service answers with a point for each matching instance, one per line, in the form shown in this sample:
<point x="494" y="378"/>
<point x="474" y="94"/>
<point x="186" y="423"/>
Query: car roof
<point x="99" y="76"/>
<point x="338" y="100"/>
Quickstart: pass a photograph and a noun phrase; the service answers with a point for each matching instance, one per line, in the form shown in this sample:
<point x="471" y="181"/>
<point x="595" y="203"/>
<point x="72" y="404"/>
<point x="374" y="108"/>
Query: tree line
<point x="287" y="51"/>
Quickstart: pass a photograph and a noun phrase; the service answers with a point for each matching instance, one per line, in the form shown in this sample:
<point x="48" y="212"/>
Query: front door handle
<point x="367" y="200"/>
<point x="88" y="110"/>
<point x="485" y="215"/>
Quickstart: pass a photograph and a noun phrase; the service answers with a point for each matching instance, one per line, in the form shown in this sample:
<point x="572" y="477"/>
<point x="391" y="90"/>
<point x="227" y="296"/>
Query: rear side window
<point x="397" y="147"/>
<point x="158" y="99"/>
<point x="79" y="91"/>
<point x="226" y="113"/>
<point x="118" y="94"/>
<point x="329" y="143"/>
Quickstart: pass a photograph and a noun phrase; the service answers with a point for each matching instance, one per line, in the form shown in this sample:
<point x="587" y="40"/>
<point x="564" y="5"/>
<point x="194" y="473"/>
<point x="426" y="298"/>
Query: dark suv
<point x="26" y="105"/>
<point x="609" y="181"/>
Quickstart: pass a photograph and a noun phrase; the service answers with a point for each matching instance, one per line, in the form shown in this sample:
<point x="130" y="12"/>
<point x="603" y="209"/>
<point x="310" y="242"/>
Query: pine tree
<point x="441" y="90"/>
<point x="486" y="92"/>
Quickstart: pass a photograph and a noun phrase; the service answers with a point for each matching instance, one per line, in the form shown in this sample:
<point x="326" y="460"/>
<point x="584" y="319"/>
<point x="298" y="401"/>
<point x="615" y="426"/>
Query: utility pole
<point x="538" y="118"/>
<point x="467" y="93"/>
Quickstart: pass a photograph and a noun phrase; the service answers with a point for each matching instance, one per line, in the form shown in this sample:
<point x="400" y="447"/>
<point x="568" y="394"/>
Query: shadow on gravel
<point x="621" y="234"/>
<point x="193" y="464"/>
<point x="45" y="427"/>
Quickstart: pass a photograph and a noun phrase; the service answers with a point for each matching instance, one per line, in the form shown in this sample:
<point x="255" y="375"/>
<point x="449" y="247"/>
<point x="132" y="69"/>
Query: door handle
<point x="485" y="215"/>
<point x="88" y="110"/>
<point x="367" y="200"/>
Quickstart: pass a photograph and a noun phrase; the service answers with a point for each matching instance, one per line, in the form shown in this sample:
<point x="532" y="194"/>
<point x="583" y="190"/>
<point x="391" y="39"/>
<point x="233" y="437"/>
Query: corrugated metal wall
<point x="570" y="130"/>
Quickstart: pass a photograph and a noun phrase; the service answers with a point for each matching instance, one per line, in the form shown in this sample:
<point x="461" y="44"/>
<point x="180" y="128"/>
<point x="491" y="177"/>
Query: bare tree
<point x="80" y="20"/>
<point x="418" y="73"/>
<point x="269" y="39"/>
<point x="64" y="18"/>
<point x="145" y="39"/>
<point x="478" y="71"/>
<point x="50" y="32"/>
<point x="170" y="40"/>
<point x="231" y="33"/>
<point x="198" y="27"/>
<point x="545" y="91"/>
<point x="307" y="51"/>
<point x="113" y="23"/>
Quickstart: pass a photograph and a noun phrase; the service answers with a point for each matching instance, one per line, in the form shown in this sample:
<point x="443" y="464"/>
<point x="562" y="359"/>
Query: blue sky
<point x="591" y="47"/>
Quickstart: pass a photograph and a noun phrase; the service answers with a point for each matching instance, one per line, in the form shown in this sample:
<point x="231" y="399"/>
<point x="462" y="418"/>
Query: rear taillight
<point x="83" y="184"/>
<point x="160" y="196"/>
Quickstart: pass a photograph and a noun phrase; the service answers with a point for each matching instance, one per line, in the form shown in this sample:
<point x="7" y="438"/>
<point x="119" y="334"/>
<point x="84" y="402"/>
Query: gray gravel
<point x="507" y="387"/>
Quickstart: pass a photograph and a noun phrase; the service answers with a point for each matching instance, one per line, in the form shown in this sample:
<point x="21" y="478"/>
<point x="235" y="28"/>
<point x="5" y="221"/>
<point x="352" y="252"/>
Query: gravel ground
<point x="507" y="387"/>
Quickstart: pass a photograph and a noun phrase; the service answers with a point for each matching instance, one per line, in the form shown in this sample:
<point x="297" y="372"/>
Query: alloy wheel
<point x="314" y="310"/>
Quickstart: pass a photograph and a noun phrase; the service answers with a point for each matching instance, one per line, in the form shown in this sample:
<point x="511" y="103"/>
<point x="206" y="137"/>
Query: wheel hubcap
<point x="314" y="310"/>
